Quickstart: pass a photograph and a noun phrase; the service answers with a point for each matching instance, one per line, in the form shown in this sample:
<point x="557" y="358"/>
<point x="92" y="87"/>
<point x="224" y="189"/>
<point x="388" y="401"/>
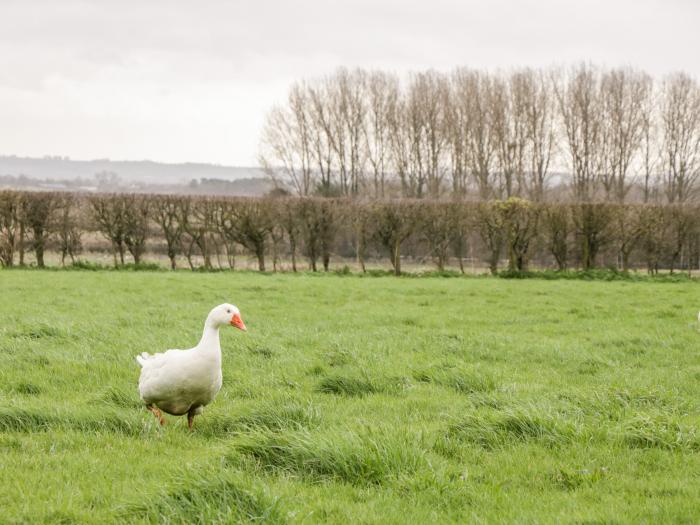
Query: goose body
<point x="181" y="382"/>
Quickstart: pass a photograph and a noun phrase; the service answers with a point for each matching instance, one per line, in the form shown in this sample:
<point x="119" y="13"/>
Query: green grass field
<point x="353" y="400"/>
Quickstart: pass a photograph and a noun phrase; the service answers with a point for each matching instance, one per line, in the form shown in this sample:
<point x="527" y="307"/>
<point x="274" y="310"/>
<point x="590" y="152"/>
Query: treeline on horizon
<point x="514" y="232"/>
<point x="580" y="134"/>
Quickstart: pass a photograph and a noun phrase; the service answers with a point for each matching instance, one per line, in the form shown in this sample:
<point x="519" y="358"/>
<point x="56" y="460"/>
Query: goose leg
<point x="157" y="413"/>
<point x="190" y="419"/>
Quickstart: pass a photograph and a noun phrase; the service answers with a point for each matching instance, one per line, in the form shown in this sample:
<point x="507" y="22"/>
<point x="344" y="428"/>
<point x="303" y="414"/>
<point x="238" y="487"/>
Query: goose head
<point x="226" y="314"/>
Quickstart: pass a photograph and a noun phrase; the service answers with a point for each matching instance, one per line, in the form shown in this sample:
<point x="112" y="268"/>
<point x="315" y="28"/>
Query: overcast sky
<point x="180" y="81"/>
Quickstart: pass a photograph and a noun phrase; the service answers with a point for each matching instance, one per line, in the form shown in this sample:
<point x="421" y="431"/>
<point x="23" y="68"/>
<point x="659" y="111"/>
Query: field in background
<point x="353" y="400"/>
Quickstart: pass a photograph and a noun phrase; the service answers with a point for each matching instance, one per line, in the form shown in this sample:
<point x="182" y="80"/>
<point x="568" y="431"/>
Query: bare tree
<point x="324" y="144"/>
<point x="681" y="223"/>
<point x="393" y="223"/>
<point x="164" y="210"/>
<point x="108" y="216"/>
<point x="624" y="96"/>
<point x="68" y="226"/>
<point x="507" y="112"/>
<point x="9" y="226"/>
<point x="429" y="98"/>
<point x="348" y="109"/>
<point x="198" y="217"/>
<point x="593" y="227"/>
<point x="286" y="145"/>
<point x="456" y="121"/>
<point x="22" y="214"/>
<point x="357" y="215"/>
<point x="473" y="92"/>
<point x="436" y="224"/>
<point x="136" y="209"/>
<point x="287" y="215"/>
<point x="382" y="93"/>
<point x="628" y="232"/>
<point x="400" y="142"/>
<point x="317" y="218"/>
<point x="489" y="224"/>
<point x="680" y="116"/>
<point x="327" y="222"/>
<point x="535" y="97"/>
<point x="556" y="226"/>
<point x="650" y="158"/>
<point x="462" y="219"/>
<point x="653" y="234"/>
<point x="39" y="217"/>
<point x="520" y="222"/>
<point x="578" y="100"/>
<point x="248" y="222"/>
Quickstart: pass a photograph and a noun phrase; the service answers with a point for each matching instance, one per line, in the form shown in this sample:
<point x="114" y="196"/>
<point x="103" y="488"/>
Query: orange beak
<point x="238" y="322"/>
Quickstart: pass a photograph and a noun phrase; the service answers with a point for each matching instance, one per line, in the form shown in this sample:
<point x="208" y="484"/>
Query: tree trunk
<point x="586" y="255"/>
<point x="260" y="254"/>
<point x="625" y="261"/>
<point x="39" y="251"/>
<point x="674" y="258"/>
<point x="396" y="257"/>
<point x="21" y="244"/>
<point x="204" y="248"/>
<point x="493" y="266"/>
<point x="189" y="255"/>
<point x="512" y="260"/>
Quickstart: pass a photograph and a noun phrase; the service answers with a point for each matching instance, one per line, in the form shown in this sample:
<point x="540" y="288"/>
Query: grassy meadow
<point x="353" y="400"/>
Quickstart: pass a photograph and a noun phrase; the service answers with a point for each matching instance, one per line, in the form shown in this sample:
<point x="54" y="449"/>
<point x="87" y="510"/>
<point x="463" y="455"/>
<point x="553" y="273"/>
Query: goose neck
<point x="210" y="338"/>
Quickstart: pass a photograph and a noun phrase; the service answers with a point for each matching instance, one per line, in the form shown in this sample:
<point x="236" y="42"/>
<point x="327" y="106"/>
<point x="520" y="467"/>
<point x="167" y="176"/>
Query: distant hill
<point x="140" y="171"/>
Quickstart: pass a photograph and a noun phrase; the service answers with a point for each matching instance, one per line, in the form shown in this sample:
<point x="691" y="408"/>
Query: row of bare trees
<point x="211" y="232"/>
<point x="586" y="133"/>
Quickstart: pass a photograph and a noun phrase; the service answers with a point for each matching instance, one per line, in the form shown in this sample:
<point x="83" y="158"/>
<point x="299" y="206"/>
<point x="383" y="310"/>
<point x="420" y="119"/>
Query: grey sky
<point x="182" y="81"/>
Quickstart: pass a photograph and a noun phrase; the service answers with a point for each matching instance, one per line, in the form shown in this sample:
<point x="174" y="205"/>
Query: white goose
<point x="182" y="382"/>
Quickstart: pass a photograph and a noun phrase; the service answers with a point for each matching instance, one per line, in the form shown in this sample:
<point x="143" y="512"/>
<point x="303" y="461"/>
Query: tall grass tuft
<point x="272" y="416"/>
<point x="19" y="420"/>
<point x="660" y="431"/>
<point x="348" y="386"/>
<point x="120" y="398"/>
<point x="290" y="416"/>
<point x="510" y="427"/>
<point x="366" y="458"/>
<point x="459" y="379"/>
<point x="218" y="498"/>
<point x="27" y="389"/>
